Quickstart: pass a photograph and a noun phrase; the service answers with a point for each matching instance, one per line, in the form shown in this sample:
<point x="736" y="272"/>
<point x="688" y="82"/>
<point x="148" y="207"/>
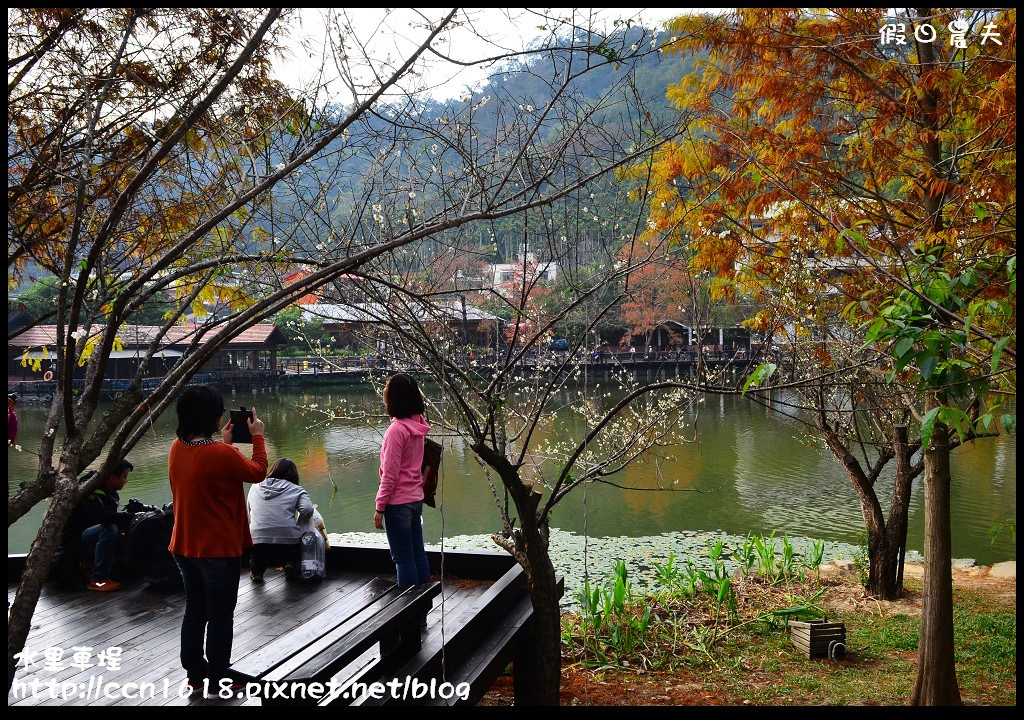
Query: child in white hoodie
<point x="273" y="505"/>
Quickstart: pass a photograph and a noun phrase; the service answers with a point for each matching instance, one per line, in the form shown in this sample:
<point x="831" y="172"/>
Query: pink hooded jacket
<point x="401" y="461"/>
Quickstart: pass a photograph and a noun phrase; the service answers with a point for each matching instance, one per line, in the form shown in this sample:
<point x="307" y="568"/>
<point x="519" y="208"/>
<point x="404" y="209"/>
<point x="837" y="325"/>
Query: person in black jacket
<point x="97" y="520"/>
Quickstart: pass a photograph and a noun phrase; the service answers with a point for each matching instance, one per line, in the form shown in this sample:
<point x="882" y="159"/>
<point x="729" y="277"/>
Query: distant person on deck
<point x="211" y="528"/>
<point x="97" y="521"/>
<point x="12" y="419"/>
<point x="275" y="531"/>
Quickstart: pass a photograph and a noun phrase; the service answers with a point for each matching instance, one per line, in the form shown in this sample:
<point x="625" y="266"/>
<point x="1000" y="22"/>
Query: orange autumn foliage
<point x="818" y="159"/>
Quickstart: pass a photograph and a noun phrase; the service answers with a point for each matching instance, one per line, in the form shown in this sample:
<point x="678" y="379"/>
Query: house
<point x="353" y="325"/>
<point x="252" y="349"/>
<point x="526" y="270"/>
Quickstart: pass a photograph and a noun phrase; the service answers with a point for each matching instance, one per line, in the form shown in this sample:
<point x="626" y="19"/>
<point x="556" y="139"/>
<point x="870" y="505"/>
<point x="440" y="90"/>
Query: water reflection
<point x="751" y="470"/>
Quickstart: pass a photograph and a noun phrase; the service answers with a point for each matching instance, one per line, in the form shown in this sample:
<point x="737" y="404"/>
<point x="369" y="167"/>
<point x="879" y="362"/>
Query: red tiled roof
<point x="140" y="335"/>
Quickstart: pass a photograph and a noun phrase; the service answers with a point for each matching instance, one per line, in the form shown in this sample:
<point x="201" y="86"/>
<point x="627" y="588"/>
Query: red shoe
<point x="104" y="585"/>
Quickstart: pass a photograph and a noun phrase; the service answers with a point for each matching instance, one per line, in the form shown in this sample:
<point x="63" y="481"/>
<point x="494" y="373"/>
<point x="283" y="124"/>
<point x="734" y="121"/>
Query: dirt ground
<point x="849" y="595"/>
<point x="591" y="688"/>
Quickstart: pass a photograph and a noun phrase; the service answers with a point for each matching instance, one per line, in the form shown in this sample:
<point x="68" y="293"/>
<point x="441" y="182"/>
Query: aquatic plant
<point x="813" y="559"/>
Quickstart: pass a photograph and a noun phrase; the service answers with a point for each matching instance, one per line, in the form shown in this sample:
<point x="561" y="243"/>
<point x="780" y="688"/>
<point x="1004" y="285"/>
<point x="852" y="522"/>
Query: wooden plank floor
<point x="146" y="625"/>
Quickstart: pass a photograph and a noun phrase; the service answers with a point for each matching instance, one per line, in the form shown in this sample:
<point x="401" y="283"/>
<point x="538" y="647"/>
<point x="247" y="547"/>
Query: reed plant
<point x="814" y="557"/>
<point x="610" y="625"/>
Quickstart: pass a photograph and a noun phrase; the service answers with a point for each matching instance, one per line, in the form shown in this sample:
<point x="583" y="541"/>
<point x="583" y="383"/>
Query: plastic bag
<point x="312" y="553"/>
<point x="318" y="523"/>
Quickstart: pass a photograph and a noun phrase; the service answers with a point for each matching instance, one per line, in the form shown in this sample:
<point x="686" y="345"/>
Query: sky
<point x="389" y="35"/>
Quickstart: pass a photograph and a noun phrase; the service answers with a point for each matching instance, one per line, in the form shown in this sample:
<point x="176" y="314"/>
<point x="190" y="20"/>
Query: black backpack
<point x="145" y="549"/>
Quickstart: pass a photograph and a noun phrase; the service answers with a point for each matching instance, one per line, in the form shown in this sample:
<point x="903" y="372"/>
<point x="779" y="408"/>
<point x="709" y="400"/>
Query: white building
<point x="526" y="270"/>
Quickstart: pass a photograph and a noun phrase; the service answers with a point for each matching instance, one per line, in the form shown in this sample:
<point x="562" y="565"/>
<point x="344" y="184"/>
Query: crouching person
<point x="96" y="521"/>
<point x="273" y="506"/>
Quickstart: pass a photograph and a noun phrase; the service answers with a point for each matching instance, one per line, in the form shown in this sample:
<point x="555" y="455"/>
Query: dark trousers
<point x="266" y="555"/>
<point x="404" y="527"/>
<point x="211" y="592"/>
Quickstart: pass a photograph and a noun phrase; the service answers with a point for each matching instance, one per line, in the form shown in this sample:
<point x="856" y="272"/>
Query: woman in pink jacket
<point x="399" y="504"/>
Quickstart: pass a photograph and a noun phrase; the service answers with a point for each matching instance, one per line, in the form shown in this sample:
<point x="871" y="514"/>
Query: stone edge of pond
<point x="579" y="557"/>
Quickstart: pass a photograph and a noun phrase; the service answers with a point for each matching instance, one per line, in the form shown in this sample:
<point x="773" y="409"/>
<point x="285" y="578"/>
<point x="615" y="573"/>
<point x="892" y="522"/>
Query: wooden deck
<point x="146" y="624"/>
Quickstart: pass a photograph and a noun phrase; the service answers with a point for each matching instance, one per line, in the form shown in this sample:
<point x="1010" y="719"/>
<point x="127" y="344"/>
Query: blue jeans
<point x="107" y="538"/>
<point x="404" y="528"/>
<point x="211" y="592"/>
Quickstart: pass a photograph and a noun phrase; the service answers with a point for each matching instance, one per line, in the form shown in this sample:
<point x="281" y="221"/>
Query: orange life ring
<point x="47" y="376"/>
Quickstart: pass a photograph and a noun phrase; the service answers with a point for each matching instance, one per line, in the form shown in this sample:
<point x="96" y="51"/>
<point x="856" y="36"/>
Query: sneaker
<point x="104" y="585"/>
<point x="255" y="578"/>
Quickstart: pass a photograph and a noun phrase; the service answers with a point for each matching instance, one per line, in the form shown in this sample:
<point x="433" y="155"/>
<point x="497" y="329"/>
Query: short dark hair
<point x="284" y="469"/>
<point x="199" y="409"/>
<point x="402" y="397"/>
<point x="121" y="467"/>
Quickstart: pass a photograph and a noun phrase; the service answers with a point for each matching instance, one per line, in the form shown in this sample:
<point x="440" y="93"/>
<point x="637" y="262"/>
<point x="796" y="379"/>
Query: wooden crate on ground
<point x="819" y="638"/>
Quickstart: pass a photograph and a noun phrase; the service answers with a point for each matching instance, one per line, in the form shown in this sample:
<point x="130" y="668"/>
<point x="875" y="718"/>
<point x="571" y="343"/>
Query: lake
<point x="751" y="470"/>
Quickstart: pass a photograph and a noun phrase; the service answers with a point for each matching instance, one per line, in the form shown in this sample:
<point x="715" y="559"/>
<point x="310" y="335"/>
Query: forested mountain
<point x="392" y="152"/>
<point x="622" y="79"/>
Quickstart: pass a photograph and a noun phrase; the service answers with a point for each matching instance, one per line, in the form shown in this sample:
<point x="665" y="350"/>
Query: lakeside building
<point x="673" y="335"/>
<point x="367" y="323"/>
<point x="251" y="350"/>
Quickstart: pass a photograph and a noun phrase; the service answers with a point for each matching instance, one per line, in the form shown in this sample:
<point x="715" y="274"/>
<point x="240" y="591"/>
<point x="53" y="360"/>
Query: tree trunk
<point x="882" y="553"/>
<point x="886" y="553"/>
<point x="899" y="507"/>
<point x="883" y="557"/>
<point x="936" y="683"/>
<point x="538" y="664"/>
<point x="538" y="668"/>
<point x="37" y="567"/>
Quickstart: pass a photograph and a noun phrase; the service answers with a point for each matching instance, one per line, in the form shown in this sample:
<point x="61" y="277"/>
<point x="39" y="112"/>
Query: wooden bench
<point x="489" y="658"/>
<point x="316" y="650"/>
<point x="485" y="638"/>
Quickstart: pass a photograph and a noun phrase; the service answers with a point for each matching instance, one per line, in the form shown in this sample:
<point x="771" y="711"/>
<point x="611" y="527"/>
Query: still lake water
<point x="752" y="470"/>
